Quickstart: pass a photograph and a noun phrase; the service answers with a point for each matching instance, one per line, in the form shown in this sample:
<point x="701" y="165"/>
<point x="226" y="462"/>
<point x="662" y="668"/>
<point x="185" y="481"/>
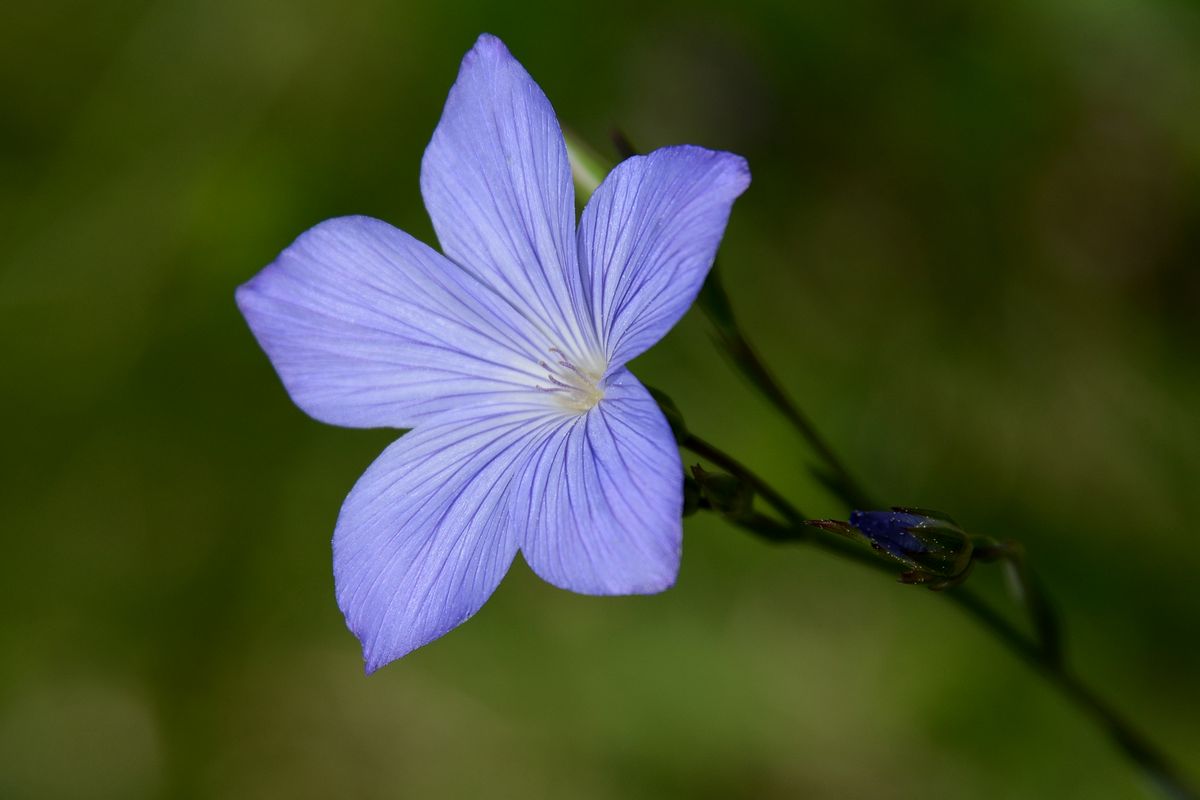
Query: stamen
<point x="575" y="389"/>
<point x="563" y="362"/>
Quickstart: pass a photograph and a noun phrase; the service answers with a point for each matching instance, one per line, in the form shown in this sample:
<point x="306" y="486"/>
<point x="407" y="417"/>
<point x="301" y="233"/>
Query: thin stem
<point x="1028" y="590"/>
<point x="1129" y="739"/>
<point x="781" y="533"/>
<point x="738" y="470"/>
<point x="1046" y="661"/>
<point x="714" y="302"/>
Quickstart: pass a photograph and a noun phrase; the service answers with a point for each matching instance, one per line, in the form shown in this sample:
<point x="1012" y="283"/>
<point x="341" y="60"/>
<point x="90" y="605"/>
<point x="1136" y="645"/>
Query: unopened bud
<point x="930" y="543"/>
<point x="588" y="167"/>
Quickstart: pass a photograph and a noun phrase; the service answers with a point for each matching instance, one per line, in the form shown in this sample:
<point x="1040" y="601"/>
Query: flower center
<point x="574" y="388"/>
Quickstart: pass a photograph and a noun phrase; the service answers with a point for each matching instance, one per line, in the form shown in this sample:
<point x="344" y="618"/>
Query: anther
<point x="577" y="390"/>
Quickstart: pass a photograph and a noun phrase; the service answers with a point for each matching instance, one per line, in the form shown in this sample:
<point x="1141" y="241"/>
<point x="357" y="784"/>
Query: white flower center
<point x="575" y="388"/>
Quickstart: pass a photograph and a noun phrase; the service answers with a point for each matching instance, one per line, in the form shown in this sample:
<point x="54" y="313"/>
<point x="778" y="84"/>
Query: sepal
<point x="726" y="494"/>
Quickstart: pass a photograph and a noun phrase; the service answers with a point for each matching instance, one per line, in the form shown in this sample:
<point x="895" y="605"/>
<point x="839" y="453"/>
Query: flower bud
<point x="930" y="543"/>
<point x="588" y="167"/>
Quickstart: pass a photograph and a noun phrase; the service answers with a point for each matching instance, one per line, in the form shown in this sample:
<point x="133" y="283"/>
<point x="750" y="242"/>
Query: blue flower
<point x="506" y="356"/>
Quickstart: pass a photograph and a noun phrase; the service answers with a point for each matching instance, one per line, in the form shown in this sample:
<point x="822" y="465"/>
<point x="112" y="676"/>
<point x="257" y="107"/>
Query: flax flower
<point x="506" y="357"/>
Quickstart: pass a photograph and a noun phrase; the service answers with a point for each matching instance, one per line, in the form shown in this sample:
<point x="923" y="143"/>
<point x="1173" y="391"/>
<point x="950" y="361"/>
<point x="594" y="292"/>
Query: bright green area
<point x="971" y="251"/>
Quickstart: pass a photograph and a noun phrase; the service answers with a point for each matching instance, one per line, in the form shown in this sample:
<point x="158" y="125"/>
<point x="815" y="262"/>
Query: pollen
<point x="574" y="388"/>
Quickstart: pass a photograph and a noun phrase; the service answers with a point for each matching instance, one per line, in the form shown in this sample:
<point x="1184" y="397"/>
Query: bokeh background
<point x="970" y="251"/>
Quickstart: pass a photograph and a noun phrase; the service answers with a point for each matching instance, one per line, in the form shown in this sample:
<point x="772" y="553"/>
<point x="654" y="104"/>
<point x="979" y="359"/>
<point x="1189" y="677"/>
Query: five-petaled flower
<point x="506" y="356"/>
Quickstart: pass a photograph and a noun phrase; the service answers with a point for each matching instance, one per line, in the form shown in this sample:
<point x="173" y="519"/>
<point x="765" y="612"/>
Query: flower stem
<point x="738" y="470"/>
<point x="1029" y="592"/>
<point x="1050" y="664"/>
<point x="1043" y="654"/>
<point x="714" y="302"/>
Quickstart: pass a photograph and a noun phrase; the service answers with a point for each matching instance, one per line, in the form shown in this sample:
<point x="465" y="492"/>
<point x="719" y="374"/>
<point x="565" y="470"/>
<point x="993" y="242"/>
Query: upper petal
<point x="427" y="533"/>
<point x="498" y="188"/>
<point x="368" y="327"/>
<point x="648" y="237"/>
<point x="603" y="497"/>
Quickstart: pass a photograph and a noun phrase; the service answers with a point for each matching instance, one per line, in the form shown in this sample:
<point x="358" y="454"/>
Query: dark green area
<point x="971" y="251"/>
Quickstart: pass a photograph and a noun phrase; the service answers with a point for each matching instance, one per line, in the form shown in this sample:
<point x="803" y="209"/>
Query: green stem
<point x="1140" y="750"/>
<point x="738" y="470"/>
<point x="1046" y="661"/>
<point x="1028" y="589"/>
<point x="714" y="302"/>
<point x="795" y="529"/>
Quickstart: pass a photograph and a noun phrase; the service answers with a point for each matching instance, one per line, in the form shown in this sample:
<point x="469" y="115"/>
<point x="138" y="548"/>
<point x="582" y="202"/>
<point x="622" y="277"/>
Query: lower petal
<point x="603" y="498"/>
<point x="426" y="534"/>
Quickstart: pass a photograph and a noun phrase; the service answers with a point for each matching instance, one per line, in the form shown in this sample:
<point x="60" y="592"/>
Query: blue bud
<point x="930" y="543"/>
<point x="890" y="531"/>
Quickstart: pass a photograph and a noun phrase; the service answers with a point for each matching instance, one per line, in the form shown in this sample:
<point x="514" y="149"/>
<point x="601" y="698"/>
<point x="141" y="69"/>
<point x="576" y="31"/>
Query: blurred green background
<point x="970" y="251"/>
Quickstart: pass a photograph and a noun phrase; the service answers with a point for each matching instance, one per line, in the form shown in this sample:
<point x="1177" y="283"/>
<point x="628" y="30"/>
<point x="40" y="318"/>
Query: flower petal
<point x="498" y="188"/>
<point x="427" y="533"/>
<point x="648" y="237"/>
<point x="603" y="498"/>
<point x="368" y="327"/>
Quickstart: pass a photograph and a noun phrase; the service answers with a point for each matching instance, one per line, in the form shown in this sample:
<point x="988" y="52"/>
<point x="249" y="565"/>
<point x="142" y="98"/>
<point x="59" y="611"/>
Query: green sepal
<point x="588" y="167"/>
<point x="724" y="493"/>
